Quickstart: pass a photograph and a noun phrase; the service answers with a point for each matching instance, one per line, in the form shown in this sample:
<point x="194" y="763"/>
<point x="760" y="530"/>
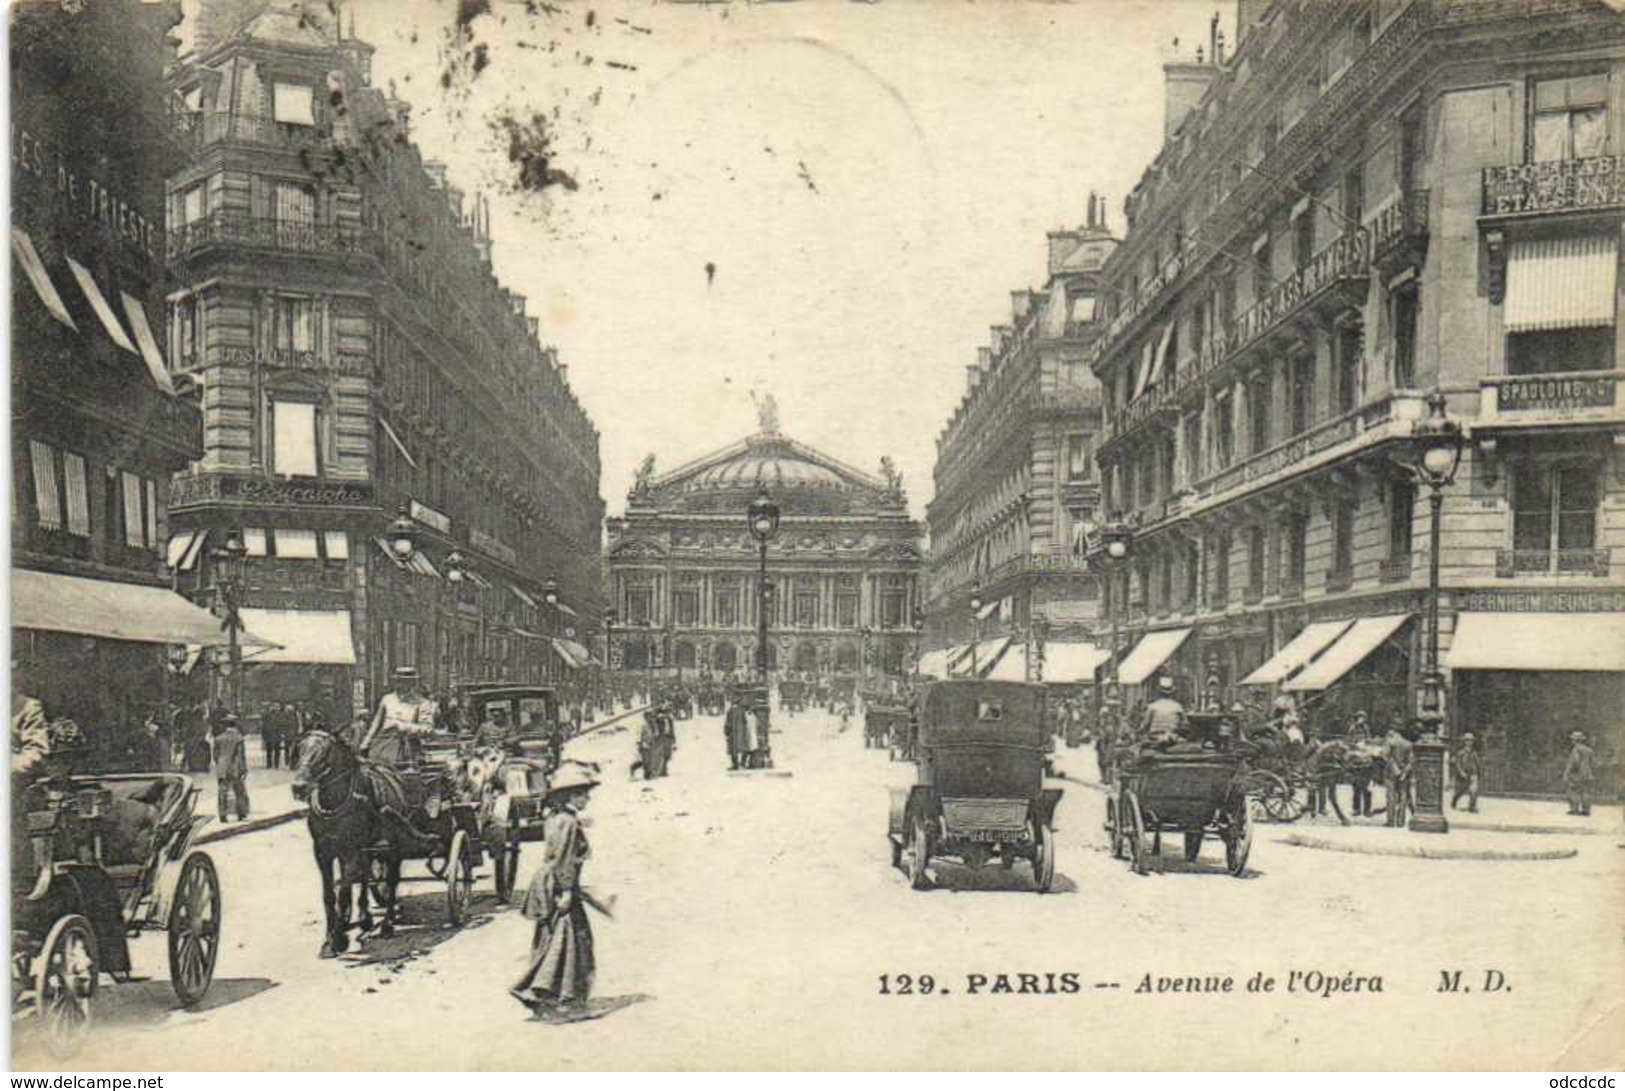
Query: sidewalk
<point x="270" y="791"/>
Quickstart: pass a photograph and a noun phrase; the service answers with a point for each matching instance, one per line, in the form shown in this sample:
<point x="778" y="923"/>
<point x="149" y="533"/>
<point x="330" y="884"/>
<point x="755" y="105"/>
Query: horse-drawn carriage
<point x="511" y="785"/>
<point x="99" y="859"/>
<point x="793" y="695"/>
<point x="1196" y="787"/>
<point x="979" y="794"/>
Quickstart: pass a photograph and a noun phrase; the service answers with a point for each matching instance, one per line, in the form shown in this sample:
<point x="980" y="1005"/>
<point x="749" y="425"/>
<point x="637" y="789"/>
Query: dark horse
<point x="355" y="806"/>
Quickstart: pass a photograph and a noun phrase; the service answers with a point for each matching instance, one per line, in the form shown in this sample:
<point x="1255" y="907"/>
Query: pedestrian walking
<point x="562" y="964"/>
<point x="274" y="733"/>
<point x="231" y="768"/>
<point x="192" y="732"/>
<point x="1465" y="766"/>
<point x="1577" y="774"/>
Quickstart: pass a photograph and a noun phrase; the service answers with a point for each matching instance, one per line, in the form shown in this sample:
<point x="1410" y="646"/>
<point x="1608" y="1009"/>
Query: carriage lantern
<point x="1117" y="538"/>
<point x="403" y="533"/>
<point x="762" y="517"/>
<point x="1438" y="443"/>
<point x="976" y="622"/>
<point x="550" y="592"/>
<point x="456" y="566"/>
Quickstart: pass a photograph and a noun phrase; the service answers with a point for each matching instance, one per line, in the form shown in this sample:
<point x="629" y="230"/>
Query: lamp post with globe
<point x="1117" y="539"/>
<point x="975" y="622"/>
<point x="763" y="519"/>
<point x="1437" y="455"/>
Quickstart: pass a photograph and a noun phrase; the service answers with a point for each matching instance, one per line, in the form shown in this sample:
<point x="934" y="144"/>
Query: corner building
<point x="1367" y="202"/>
<point x="358" y="359"/>
<point x="1016" y="497"/>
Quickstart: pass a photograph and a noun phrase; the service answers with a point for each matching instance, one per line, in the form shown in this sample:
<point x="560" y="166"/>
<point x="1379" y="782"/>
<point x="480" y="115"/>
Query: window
<point x="1407" y="302"/>
<point x="1303" y="392"/>
<point x="639" y="605"/>
<point x="1255" y="560"/>
<point x="727" y="607"/>
<point x="1569" y="118"/>
<point x="846" y="611"/>
<point x="47" y="502"/>
<point x="255" y="541"/>
<point x="686" y="605"/>
<point x="295" y="544"/>
<point x="293" y="324"/>
<point x="1303" y="237"/>
<point x="1554" y="509"/>
<point x="193" y="205"/>
<point x="1343" y="538"/>
<point x="153" y="542"/>
<point x="294" y="444"/>
<point x="1192" y="572"/>
<point x="806" y="610"/>
<point x="293" y="104"/>
<point x="135" y="521"/>
<point x="1258" y="414"/>
<point x="1297" y="548"/>
<point x="1224" y="439"/>
<point x="1193" y="447"/>
<point x="1347" y="348"/>
<point x="295" y="214"/>
<point x="1077" y="458"/>
<point x="1221" y="570"/>
<point x="891" y="608"/>
<point x="1353" y="198"/>
<point x="1409" y="150"/>
<point x="73" y="479"/>
<point x="186" y="333"/>
<point x="1541" y="352"/>
<point x="337" y="544"/>
<point x="1401" y="512"/>
<point x="1261" y="267"/>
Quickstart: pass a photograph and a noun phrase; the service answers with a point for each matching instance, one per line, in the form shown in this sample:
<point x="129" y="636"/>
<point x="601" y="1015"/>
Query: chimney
<point x="1184" y="82"/>
<point x="984" y="359"/>
<point x="436" y="170"/>
<point x="973" y="378"/>
<point x="1021" y="302"/>
<point x="517" y="302"/>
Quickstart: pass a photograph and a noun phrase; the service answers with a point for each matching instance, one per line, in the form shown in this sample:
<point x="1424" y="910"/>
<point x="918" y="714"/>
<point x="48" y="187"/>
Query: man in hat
<point x="1465" y="766"/>
<point x="1577" y="774"/>
<point x="30" y="735"/>
<point x="1398" y="759"/>
<point x="1359" y="732"/>
<point x="404" y="716"/>
<point x="230" y="767"/>
<point x="735" y="727"/>
<point x="1164" y="718"/>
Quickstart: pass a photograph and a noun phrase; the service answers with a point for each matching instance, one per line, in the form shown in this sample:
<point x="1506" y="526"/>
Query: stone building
<point x="1017" y="499"/>
<point x="96" y="424"/>
<point x="843" y="567"/>
<point x="1371" y="200"/>
<point x="359" y="361"/>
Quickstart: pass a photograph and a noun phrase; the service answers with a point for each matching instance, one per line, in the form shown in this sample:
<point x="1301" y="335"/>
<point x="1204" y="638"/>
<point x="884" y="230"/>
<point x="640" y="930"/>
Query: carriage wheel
<point x="1111" y="829"/>
<point x="459" y="873"/>
<point x="1043" y="857"/>
<point x="194" y="929"/>
<point x="1134" y="832"/>
<point x="64" y="983"/>
<point x="1193" y="845"/>
<point x="1238" y="841"/>
<point x="917" y="878"/>
<point x="507" y="867"/>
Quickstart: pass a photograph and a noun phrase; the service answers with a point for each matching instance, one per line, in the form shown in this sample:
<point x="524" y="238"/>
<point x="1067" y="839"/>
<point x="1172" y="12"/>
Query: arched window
<point x="725" y="657"/>
<point x="846" y="658"/>
<point x="684" y="653"/>
<point x="806" y="657"/>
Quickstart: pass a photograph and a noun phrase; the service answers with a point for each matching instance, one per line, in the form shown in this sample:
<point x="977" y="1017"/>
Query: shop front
<point x="1524" y="680"/>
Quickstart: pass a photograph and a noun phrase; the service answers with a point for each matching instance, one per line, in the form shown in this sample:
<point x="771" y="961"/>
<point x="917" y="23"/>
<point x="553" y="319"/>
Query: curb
<point x="1513" y="827"/>
<point x="253" y="825"/>
<point x="1423" y="853"/>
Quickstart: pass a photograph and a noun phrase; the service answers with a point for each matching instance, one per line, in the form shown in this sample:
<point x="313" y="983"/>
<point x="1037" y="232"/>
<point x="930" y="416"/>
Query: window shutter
<point x="46" y="503"/>
<point x="152" y="514"/>
<point x="73" y="476"/>
<point x="133" y="523"/>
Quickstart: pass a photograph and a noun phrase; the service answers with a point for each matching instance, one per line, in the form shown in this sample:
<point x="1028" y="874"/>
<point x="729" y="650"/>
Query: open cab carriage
<point x="1196" y="787"/>
<point x="793" y="695"/>
<point x="100" y="859"/>
<point x="444" y="817"/>
<point x="979" y="794"/>
<point x="512" y="785"/>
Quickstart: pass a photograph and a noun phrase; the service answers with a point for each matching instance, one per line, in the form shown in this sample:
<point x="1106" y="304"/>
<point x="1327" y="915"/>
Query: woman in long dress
<point x="561" y="955"/>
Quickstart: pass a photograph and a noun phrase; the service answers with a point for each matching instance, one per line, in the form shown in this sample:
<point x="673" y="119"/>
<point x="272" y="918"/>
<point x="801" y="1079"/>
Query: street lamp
<point x="919" y="631"/>
<point x="402" y="534"/>
<point x="609" y="622"/>
<point x="976" y="622"/>
<point x="863" y="648"/>
<point x="228" y="581"/>
<point x="1040" y="628"/>
<point x="1437" y="454"/>
<point x="1117" y="538"/>
<point x="763" y="519"/>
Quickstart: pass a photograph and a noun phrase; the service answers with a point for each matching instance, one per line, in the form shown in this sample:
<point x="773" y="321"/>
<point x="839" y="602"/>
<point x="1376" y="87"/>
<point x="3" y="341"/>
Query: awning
<point x="986" y="653"/>
<point x="1562" y="283"/>
<point x="150" y="352"/>
<point x="1309" y="643"/>
<point x="957" y="656"/>
<point x="307" y="636"/>
<point x="1153" y="650"/>
<point x="1072" y="661"/>
<point x="1538" y="642"/>
<point x="1011" y="666"/>
<point x="519" y="592"/>
<point x="399" y="446"/>
<point x="935" y="663"/>
<point x="117" y="611"/>
<point x="565" y="609"/>
<point x="98" y="303"/>
<point x="1363" y="637"/>
<point x="573" y="654"/>
<point x="184" y="548"/>
<point x="988" y="609"/>
<point x="1159" y="355"/>
<point x="34" y="268"/>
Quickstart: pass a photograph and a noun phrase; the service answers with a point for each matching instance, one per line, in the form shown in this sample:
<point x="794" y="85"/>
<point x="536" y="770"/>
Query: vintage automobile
<point x="979" y="794"/>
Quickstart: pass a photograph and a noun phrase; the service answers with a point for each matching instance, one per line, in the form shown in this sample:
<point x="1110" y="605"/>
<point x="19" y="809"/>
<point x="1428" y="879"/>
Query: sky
<point x="825" y="201"/>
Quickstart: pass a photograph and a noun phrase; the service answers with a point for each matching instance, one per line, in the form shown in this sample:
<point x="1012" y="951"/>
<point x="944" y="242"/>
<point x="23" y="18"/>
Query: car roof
<point x="504" y="689"/>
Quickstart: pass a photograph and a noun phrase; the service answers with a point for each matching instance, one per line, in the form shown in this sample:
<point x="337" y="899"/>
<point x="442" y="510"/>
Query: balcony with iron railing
<point x="1396" y="568"/>
<point x="222" y="228"/>
<point x="1399" y="233"/>
<point x="205" y="128"/>
<point x="1575" y="563"/>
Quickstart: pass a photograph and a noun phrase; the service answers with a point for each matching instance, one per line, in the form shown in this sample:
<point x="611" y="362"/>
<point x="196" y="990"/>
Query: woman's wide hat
<point x="571" y="776"/>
